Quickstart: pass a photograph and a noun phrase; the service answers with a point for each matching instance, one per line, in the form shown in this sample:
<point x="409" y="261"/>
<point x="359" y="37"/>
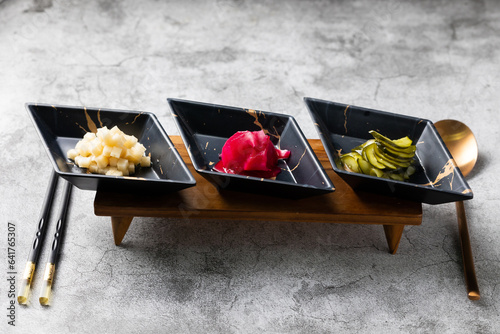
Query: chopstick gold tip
<point x="24" y="288"/>
<point x="48" y="278"/>
<point x="474" y="295"/>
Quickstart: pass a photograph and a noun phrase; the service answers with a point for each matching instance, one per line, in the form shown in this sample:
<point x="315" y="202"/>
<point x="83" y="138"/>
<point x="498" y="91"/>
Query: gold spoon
<point x="463" y="147"/>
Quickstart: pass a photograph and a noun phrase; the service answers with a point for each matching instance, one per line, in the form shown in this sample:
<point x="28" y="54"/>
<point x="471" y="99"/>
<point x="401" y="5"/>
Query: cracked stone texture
<point x="430" y="59"/>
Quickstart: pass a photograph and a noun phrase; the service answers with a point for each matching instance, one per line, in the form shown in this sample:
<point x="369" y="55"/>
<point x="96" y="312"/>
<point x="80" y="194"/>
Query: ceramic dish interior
<point x="206" y="127"/>
<point x="61" y="127"/>
<point x="342" y="127"/>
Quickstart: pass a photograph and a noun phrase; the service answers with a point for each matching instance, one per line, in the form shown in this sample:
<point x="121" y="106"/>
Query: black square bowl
<point x="206" y="127"/>
<point x="61" y="127"/>
<point x="342" y="127"/>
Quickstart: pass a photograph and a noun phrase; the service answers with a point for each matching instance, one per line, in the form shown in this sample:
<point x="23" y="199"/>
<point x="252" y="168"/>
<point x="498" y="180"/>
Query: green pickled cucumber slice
<point x="360" y="148"/>
<point x="408" y="154"/>
<point x="355" y="155"/>
<point x="401" y="143"/>
<point x="378" y="173"/>
<point x="339" y="164"/>
<point x="385" y="157"/>
<point x="396" y="176"/>
<point x="384" y="161"/>
<point x="368" y="169"/>
<point x="365" y="166"/>
<point x="350" y="163"/>
<point x="393" y="157"/>
<point x="369" y="153"/>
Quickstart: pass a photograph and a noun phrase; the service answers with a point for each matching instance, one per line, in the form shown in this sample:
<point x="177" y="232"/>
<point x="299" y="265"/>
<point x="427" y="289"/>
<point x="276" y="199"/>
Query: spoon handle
<point x="469" y="271"/>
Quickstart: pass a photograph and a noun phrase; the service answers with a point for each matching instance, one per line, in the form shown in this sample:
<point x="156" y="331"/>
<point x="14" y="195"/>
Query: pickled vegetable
<point x="252" y="153"/>
<point x="381" y="157"/>
<point x="365" y="166"/>
<point x="369" y="152"/>
<point x="350" y="162"/>
<point x="401" y="143"/>
<point x="110" y="152"/>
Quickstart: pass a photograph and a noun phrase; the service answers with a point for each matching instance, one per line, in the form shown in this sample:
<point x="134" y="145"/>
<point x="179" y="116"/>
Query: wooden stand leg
<point x="120" y="227"/>
<point x="393" y="235"/>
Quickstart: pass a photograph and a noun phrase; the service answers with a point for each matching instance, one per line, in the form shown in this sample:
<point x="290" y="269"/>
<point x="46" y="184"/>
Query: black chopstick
<point x="37" y="244"/>
<point x="50" y="268"/>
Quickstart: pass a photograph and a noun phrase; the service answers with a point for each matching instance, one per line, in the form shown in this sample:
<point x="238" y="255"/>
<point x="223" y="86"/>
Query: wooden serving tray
<point x="203" y="201"/>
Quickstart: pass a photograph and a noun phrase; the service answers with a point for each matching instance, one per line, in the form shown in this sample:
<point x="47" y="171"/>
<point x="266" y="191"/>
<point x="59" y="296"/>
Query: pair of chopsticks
<point x="38" y="241"/>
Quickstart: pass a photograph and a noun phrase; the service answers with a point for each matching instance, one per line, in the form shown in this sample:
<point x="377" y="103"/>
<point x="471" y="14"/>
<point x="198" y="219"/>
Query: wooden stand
<point x="204" y="202"/>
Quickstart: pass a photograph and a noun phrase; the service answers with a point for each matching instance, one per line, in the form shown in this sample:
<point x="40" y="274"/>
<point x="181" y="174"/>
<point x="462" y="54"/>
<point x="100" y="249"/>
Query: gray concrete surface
<point x="431" y="59"/>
